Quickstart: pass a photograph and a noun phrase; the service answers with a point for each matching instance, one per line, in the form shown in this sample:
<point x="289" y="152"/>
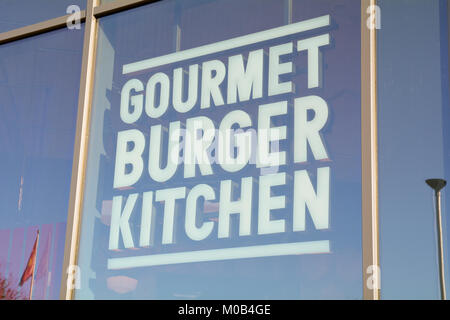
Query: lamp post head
<point x="436" y="184"/>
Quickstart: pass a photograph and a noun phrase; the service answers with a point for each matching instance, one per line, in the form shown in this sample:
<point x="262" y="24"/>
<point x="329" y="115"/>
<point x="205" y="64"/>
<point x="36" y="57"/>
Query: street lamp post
<point x="437" y="185"/>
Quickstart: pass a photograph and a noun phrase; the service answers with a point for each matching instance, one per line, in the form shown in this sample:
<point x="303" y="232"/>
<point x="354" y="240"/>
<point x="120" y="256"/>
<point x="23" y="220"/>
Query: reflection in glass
<point x="157" y="226"/>
<point x="39" y="81"/>
<point x="413" y="133"/>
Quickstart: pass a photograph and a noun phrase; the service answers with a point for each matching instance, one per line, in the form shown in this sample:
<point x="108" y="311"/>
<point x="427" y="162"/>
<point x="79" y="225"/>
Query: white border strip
<point x="252" y="38"/>
<point x="270" y="250"/>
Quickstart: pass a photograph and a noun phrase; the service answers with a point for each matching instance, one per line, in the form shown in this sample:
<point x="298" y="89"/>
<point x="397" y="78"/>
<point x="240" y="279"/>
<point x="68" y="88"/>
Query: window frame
<point x="369" y="154"/>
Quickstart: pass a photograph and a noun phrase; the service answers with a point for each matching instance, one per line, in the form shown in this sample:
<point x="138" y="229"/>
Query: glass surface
<point x="414" y="145"/>
<point x="19" y="13"/>
<point x="135" y="242"/>
<point x="39" y="81"/>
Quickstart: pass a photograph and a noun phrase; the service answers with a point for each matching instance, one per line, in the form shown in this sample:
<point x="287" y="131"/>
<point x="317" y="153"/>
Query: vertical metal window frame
<point x="80" y="153"/>
<point x="369" y="156"/>
<point x="94" y="11"/>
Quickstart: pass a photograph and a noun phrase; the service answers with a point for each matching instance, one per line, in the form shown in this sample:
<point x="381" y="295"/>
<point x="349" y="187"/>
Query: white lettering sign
<point x="226" y="84"/>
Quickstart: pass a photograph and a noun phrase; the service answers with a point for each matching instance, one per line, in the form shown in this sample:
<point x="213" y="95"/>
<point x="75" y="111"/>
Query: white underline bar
<point x="252" y="38"/>
<point x="270" y="250"/>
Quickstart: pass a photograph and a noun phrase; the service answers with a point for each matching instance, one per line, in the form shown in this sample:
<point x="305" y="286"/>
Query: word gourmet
<point x="247" y="76"/>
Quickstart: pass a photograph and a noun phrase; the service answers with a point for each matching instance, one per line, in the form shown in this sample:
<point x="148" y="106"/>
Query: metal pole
<point x="437" y="185"/>
<point x="440" y="244"/>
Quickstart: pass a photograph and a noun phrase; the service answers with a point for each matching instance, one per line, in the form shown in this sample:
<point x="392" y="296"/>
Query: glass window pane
<point x="19" y="13"/>
<point x="39" y="81"/>
<point x="288" y="227"/>
<point x="414" y="144"/>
